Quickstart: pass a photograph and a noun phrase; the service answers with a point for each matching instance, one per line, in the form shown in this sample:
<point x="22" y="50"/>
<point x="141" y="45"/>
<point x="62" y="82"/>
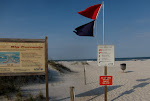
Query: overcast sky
<point x="127" y="26"/>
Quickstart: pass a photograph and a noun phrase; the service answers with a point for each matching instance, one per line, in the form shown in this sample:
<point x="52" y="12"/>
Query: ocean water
<point x="116" y="59"/>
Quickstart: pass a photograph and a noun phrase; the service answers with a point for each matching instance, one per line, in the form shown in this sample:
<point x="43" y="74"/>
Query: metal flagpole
<point x="105" y="67"/>
<point x="103" y="25"/>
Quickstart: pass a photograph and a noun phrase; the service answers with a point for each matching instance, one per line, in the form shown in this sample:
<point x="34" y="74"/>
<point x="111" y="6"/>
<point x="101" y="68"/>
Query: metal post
<point x="46" y="68"/>
<point x="103" y="25"/>
<point x="105" y="73"/>
<point x="72" y="95"/>
<point x="85" y="75"/>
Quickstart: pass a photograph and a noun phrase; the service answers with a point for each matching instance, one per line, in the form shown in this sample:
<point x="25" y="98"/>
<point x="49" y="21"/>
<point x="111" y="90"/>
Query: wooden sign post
<point x="106" y="80"/>
<point x="72" y="94"/>
<point x="105" y="73"/>
<point x="105" y="57"/>
<point x="84" y="75"/>
<point x="46" y="67"/>
<point x="22" y="57"/>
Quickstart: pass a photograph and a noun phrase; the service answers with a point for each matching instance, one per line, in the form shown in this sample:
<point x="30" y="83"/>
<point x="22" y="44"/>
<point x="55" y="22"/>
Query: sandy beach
<point x="133" y="85"/>
<point x="48" y="47"/>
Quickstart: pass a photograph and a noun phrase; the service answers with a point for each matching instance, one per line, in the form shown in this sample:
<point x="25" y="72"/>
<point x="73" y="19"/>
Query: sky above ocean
<point x="126" y="26"/>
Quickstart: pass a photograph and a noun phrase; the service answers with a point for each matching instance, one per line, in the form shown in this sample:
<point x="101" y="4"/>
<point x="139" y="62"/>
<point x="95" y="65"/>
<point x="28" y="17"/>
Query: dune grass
<point x="12" y="84"/>
<point x="75" y="63"/>
<point x="84" y="63"/>
<point x="58" y="66"/>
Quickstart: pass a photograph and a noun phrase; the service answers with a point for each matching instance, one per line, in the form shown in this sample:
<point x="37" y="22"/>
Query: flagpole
<point x="103" y="25"/>
<point x="105" y="67"/>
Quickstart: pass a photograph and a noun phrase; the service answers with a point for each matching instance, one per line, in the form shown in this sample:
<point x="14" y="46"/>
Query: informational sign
<point x="105" y="55"/>
<point x="105" y="80"/>
<point x="18" y="57"/>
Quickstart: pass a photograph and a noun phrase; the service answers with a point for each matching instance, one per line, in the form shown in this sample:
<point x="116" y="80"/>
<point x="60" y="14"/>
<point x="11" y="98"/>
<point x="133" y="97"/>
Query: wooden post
<point x="72" y="95"/>
<point x="105" y="73"/>
<point x="46" y="68"/>
<point x="85" y="75"/>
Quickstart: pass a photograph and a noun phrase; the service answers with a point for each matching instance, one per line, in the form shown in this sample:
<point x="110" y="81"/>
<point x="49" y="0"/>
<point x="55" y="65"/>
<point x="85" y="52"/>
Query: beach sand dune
<point x="133" y="85"/>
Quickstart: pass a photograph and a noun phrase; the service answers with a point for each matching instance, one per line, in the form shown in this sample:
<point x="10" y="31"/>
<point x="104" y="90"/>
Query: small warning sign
<point x="105" y="80"/>
<point x="105" y="55"/>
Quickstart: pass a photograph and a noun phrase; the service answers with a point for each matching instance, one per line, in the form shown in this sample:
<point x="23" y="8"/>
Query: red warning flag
<point x="91" y="12"/>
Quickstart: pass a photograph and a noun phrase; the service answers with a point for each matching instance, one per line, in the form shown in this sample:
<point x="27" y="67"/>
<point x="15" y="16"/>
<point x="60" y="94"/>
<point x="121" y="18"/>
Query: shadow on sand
<point x="129" y="71"/>
<point x="94" y="92"/>
<point x="134" y="87"/>
<point x="92" y="82"/>
<point x="143" y="79"/>
<point x="97" y="92"/>
<point x="54" y="76"/>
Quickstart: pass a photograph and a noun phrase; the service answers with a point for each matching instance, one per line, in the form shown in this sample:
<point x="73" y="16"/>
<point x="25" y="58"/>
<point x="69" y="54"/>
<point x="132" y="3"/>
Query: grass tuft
<point x="41" y="96"/>
<point x="12" y="84"/>
<point x="84" y="63"/>
<point x="19" y="94"/>
<point x="30" y="98"/>
<point x="75" y="63"/>
<point x="58" y="66"/>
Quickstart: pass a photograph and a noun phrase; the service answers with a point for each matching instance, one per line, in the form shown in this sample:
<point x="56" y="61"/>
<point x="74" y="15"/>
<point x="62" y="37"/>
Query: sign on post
<point x="22" y="56"/>
<point x="105" y="55"/>
<point x="105" y="80"/>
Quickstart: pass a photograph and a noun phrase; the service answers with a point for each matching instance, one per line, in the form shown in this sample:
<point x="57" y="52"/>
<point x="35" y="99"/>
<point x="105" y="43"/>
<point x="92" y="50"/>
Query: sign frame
<point x="109" y="51"/>
<point x="12" y="40"/>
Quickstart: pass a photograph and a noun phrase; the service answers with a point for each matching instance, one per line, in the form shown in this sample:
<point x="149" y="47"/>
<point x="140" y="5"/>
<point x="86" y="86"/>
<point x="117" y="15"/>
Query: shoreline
<point x="116" y="59"/>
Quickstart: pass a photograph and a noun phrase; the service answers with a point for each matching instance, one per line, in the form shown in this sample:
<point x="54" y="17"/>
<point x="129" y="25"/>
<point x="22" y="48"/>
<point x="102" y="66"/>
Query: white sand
<point x="134" y="85"/>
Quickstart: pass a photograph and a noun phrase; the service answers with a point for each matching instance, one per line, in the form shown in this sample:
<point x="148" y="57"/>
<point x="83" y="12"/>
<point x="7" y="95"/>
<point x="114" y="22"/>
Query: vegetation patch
<point x="7" y="85"/>
<point x="12" y="84"/>
<point x="84" y="63"/>
<point x="39" y="97"/>
<point x="75" y="63"/>
<point x="30" y="97"/>
<point x="58" y="66"/>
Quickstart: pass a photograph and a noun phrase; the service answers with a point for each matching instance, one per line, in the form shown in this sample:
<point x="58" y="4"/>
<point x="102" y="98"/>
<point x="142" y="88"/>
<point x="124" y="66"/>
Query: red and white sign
<point x="105" y="80"/>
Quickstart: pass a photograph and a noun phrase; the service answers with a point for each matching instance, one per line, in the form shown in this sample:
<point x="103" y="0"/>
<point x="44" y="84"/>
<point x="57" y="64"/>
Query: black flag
<point x="86" y="29"/>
